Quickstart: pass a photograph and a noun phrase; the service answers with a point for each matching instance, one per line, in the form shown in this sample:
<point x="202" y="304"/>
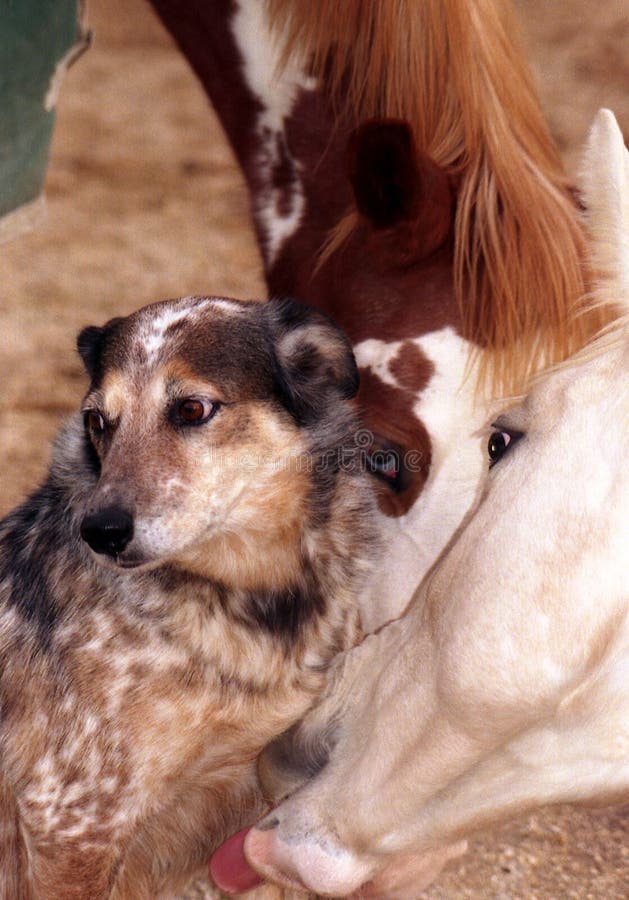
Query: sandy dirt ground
<point x="145" y="202"/>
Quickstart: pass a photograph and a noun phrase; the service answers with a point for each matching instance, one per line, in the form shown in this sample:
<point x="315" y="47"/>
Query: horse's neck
<point x="279" y="127"/>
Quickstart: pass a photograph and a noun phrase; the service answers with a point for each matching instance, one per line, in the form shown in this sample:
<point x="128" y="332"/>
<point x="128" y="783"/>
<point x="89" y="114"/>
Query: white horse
<point x="506" y="684"/>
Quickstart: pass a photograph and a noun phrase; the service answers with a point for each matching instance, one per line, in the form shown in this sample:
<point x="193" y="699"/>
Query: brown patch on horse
<point x="454" y="71"/>
<point x="411" y="368"/>
<point x="388" y="413"/>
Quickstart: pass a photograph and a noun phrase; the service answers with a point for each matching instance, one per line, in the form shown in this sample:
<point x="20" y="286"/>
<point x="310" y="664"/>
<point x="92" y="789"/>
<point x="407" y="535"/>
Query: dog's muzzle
<point x="108" y="531"/>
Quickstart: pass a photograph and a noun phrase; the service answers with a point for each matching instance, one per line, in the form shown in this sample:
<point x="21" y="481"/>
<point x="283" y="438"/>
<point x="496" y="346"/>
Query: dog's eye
<point x="94" y="422"/>
<point x="193" y="411"/>
<point x="500" y="442"/>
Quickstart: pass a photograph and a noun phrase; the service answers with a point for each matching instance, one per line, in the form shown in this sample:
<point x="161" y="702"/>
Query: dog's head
<point x="200" y="415"/>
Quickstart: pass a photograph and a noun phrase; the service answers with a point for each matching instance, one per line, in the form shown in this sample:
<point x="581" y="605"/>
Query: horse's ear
<point x="605" y="186"/>
<point x="384" y="172"/>
<point x="396" y="187"/>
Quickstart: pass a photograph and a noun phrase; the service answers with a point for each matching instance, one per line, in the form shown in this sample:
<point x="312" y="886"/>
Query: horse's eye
<point x="94" y="422"/>
<point x="499" y="443"/>
<point x="193" y="411"/>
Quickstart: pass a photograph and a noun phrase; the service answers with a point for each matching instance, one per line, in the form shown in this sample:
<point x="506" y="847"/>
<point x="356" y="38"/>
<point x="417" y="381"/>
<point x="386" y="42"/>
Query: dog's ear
<point x="314" y="358"/>
<point x="90" y="344"/>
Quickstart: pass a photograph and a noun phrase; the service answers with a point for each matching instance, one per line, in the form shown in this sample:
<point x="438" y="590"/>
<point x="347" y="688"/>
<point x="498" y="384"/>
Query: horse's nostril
<point x="108" y="531"/>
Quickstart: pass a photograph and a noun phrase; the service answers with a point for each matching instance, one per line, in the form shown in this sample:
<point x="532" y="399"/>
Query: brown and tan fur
<point x="141" y="676"/>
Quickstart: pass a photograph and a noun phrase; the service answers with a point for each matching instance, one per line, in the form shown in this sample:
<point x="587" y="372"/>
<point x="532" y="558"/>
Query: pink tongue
<point x="229" y="869"/>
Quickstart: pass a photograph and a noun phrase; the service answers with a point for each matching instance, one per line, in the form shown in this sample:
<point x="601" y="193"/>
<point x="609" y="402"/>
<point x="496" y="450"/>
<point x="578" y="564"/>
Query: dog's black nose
<point x="108" y="531"/>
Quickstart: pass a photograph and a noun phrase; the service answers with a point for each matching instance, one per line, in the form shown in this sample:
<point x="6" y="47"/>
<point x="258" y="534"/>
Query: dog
<point x="171" y="596"/>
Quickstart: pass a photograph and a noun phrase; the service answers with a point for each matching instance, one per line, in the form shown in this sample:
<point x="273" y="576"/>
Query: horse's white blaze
<point x="452" y="416"/>
<point x="377" y="356"/>
<point x="279" y="210"/>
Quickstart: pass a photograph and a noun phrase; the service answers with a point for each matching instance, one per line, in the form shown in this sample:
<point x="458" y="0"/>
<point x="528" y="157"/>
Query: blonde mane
<point x="451" y="68"/>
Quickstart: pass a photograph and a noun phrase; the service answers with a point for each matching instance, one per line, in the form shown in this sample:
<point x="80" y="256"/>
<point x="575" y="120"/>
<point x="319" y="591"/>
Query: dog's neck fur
<point x="257" y="560"/>
<point x="283" y="582"/>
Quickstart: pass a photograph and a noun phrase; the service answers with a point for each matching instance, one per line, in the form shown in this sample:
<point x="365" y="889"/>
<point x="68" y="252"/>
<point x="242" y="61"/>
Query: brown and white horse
<point x="402" y="179"/>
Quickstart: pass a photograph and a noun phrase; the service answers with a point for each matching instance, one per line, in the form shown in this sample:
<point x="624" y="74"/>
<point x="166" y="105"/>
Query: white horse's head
<point x="506" y="685"/>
